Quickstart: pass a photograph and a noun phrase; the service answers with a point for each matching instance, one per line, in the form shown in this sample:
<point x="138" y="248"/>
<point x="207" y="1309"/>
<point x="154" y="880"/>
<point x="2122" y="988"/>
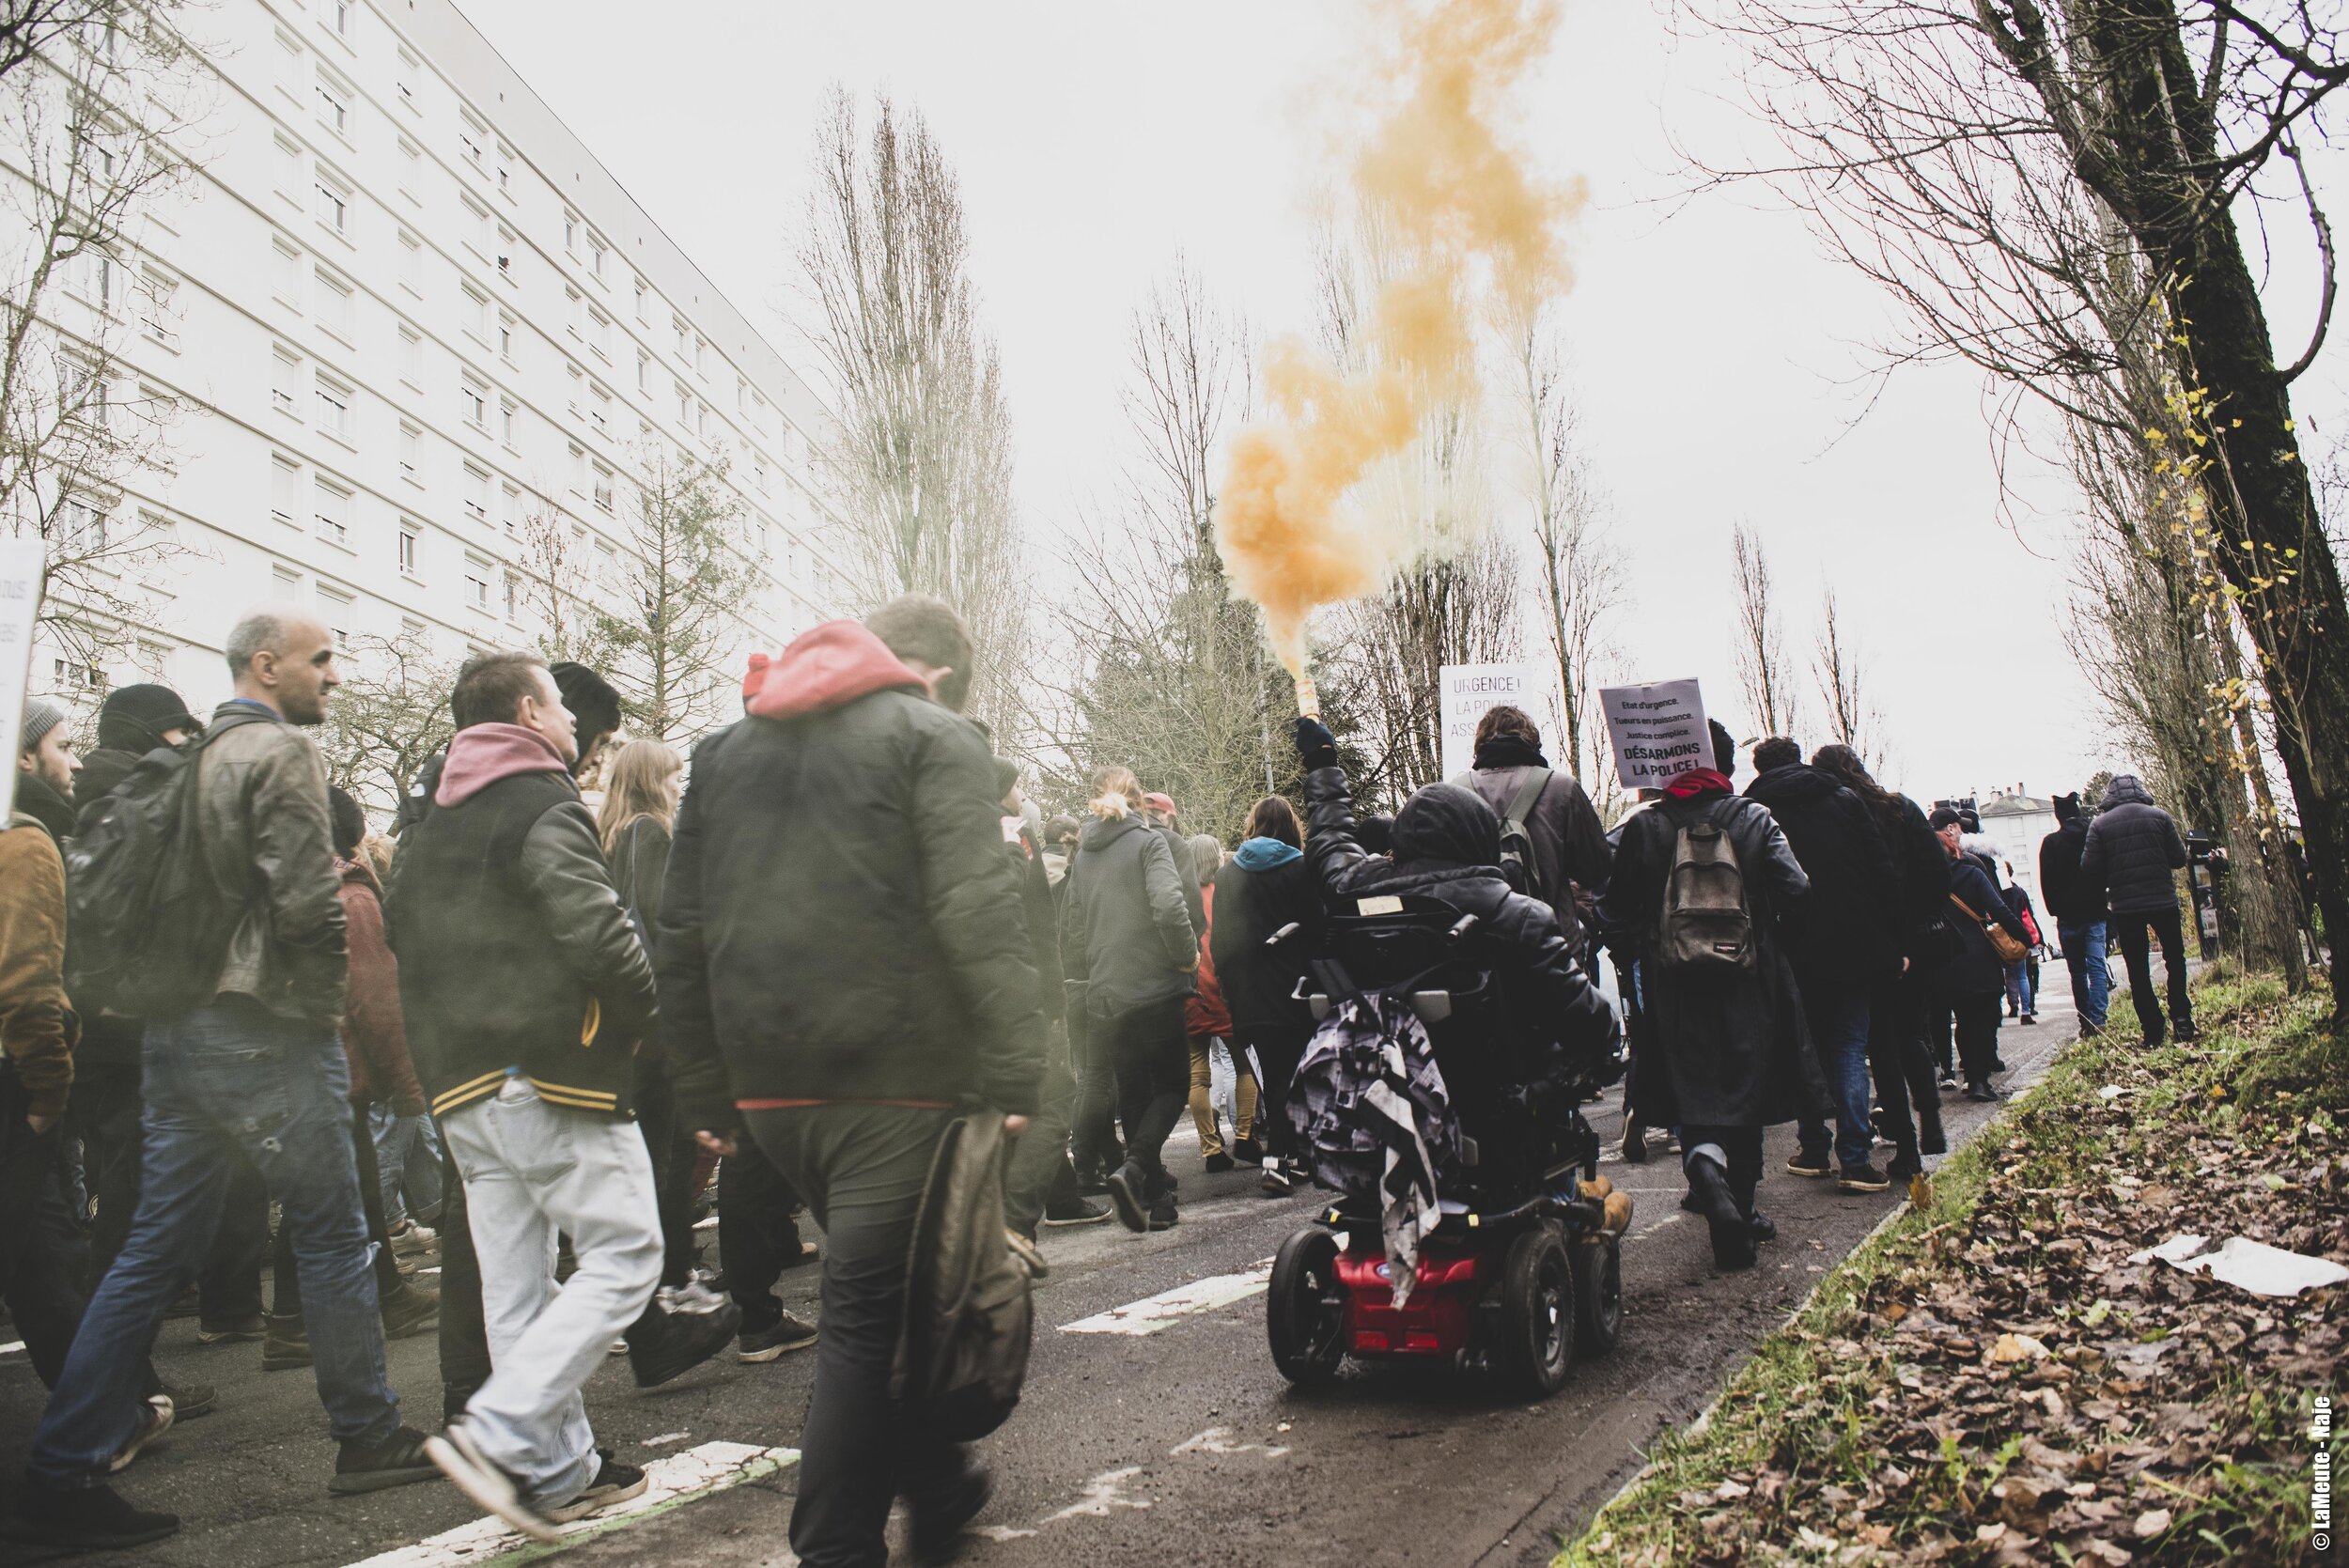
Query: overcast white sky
<point x="1718" y="355"/>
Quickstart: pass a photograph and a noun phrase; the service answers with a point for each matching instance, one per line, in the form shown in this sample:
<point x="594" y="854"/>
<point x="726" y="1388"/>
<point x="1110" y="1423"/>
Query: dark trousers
<point x="39" y="1250"/>
<point x="464" y="1340"/>
<point x="861" y="1167"/>
<point x="2165" y="926"/>
<point x="1900" y="1064"/>
<point x="285" y="1300"/>
<point x="1940" y="1022"/>
<point x="1743" y="1148"/>
<point x="673" y="1161"/>
<point x="1093" y="1127"/>
<point x="1278" y="1051"/>
<point x="1039" y="1171"/>
<point x="1151" y="1052"/>
<point x="758" y="1237"/>
<point x="1976" y="1017"/>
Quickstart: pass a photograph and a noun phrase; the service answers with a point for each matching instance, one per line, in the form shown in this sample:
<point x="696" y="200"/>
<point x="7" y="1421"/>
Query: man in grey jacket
<point x="255" y="1066"/>
<point x="1569" y="843"/>
<point x="2134" y="852"/>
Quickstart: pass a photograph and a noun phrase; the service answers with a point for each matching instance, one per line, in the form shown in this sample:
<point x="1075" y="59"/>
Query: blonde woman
<point x="1126" y="939"/>
<point x="635" y="823"/>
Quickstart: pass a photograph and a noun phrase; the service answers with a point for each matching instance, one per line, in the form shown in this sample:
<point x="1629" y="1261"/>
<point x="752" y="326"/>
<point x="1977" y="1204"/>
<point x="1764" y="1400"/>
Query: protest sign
<point x="1466" y="690"/>
<point x="20" y="602"/>
<point x="1658" y="731"/>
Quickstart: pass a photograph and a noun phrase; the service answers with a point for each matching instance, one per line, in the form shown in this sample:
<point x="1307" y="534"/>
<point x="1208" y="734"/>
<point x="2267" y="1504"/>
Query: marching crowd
<point x="519" y="1035"/>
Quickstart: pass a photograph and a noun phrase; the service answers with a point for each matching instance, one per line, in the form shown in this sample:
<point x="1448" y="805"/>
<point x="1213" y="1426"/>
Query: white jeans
<point x="534" y="1169"/>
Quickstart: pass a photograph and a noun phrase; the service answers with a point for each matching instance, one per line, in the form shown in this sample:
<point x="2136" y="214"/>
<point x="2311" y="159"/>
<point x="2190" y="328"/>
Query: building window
<point x="286" y="581"/>
<point x="477" y="315"/>
<point x="684" y="405"/>
<point x="335" y="608"/>
<point x="513" y="586"/>
<point x="505" y="171"/>
<point x="407" y="551"/>
<point x="412" y="454"/>
<point x="333" y="204"/>
<point x="604" y="491"/>
<point x="572" y="373"/>
<point x="82" y="528"/>
<point x="506" y="420"/>
<point x="408" y="99"/>
<point x="599" y="333"/>
<point x="574" y="311"/>
<point x="699" y="367"/>
<point x="289" y="68"/>
<point x="506" y="338"/>
<point x="476" y="583"/>
<point x="684" y="338"/>
<point x="338" y="17"/>
<point x="285" y="489"/>
<point x="285" y="274"/>
<point x="505" y="256"/>
<point x="330" y="507"/>
<point x="510" y="512"/>
<point x="644" y="301"/>
<point x="596" y="249"/>
<point x="599" y="410"/>
<point x="334" y="305"/>
<point x="473" y="403"/>
<point x="290" y="171"/>
<point x="471" y="134"/>
<point x="411" y="169"/>
<point x="159" y="303"/>
<point x="411" y="357"/>
<point x="333" y="106"/>
<point x="411" y="265"/>
<point x="570" y="232"/>
<point x="480" y="232"/>
<point x="476" y="494"/>
<point x="644" y="371"/>
<point x="333" y="402"/>
<point x="285" y="377"/>
<point x="579" y="470"/>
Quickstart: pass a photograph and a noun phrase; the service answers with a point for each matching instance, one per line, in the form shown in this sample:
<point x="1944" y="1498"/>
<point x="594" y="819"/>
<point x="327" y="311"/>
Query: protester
<point x="1161" y="812"/>
<point x="843" y="962"/>
<point x="1725" y="1053"/>
<point x="1569" y="843"/>
<point x="45" y="767"/>
<point x="2021" y="977"/>
<point x="1973" y="980"/>
<point x="375" y="1049"/>
<point x="262" y="1036"/>
<point x="1128" y="941"/>
<point x="2134" y="851"/>
<point x="1843" y="942"/>
<point x="2080" y="912"/>
<point x="1897" y="1055"/>
<point x="1265" y="888"/>
<point x="1207" y="1030"/>
<point x="1040" y="1184"/>
<point x="525" y="992"/>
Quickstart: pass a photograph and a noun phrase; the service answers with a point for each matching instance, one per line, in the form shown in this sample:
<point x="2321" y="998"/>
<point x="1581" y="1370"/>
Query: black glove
<point x="1316" y="744"/>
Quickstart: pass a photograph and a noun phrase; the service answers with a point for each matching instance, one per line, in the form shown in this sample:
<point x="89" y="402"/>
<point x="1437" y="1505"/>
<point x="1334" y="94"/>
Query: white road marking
<point x="670" y="1481"/>
<point x="1101" y="1493"/>
<point x="666" y="1439"/>
<point x="11" y="1349"/>
<point x="1217" y="1439"/>
<point x="1672" y="1219"/>
<point x="1152" y="1314"/>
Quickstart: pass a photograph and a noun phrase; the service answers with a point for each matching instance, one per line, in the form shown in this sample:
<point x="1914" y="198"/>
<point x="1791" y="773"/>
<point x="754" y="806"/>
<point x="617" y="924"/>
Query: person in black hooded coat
<point x="2081" y="911"/>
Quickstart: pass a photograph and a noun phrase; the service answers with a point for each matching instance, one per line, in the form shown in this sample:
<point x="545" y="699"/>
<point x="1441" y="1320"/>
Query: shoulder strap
<point x="1969" y="909"/>
<point x="1528" y="791"/>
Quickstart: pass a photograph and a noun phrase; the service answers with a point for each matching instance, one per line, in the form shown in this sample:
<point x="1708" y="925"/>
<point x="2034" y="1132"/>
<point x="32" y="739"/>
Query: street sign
<point x="1466" y="692"/>
<point x="20" y="603"/>
<point x="1658" y="731"/>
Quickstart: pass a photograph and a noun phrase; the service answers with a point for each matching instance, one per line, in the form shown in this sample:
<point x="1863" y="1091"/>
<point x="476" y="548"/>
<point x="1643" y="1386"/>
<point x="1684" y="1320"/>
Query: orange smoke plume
<point x="1468" y="217"/>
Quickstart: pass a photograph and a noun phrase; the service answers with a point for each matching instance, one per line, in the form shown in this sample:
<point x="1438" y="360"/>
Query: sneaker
<point x="615" y="1482"/>
<point x="1128" y="1186"/>
<point x="413" y="1309"/>
<point x="1949" y="1081"/>
<point x="1862" y="1178"/>
<point x="287" y="1345"/>
<point x="692" y="1296"/>
<point x="1808" y="1165"/>
<point x="409" y="1238"/>
<point x="1634" y="1144"/>
<point x="488" y="1488"/>
<point x="2030" y="1018"/>
<point x="937" y="1532"/>
<point x="1218" y="1163"/>
<point x="1076" y="1211"/>
<point x="765" y="1344"/>
<point x="157" y="1421"/>
<point x="1248" y="1151"/>
<point x="1025" y="1250"/>
<point x="188" y="1400"/>
<point x="1091" y="1182"/>
<point x="399" y="1460"/>
<point x="1278" y="1180"/>
<point x="82" y="1519"/>
<point x="236" y="1330"/>
<point x="1163" y="1216"/>
<point x="681" y="1342"/>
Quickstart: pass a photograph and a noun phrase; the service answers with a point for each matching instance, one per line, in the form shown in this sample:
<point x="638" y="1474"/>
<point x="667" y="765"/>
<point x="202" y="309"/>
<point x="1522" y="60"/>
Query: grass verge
<point x="1993" y="1380"/>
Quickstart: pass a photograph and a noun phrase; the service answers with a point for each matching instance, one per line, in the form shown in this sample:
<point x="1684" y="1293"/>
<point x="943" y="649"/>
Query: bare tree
<point x="921" y="455"/>
<point x="559" y="584"/>
<point x="1985" y="161"/>
<point x="87" y="91"/>
<point x="1762" y="669"/>
<point x="1837" y="666"/>
<point x="670" y="617"/>
<point x="389" y="718"/>
<point x="1581" y="578"/>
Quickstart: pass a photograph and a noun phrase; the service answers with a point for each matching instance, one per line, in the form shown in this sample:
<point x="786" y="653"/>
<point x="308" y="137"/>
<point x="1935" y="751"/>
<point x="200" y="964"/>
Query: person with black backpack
<point x="1550" y="830"/>
<point x="241" y="990"/>
<point x="1700" y="882"/>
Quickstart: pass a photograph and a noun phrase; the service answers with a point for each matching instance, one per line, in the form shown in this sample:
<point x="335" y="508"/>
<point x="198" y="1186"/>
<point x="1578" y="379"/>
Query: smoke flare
<point x="1466" y="213"/>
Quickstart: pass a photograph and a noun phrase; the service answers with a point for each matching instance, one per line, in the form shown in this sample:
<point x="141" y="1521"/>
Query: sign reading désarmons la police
<point x="20" y="603"/>
<point x="1658" y="731"/>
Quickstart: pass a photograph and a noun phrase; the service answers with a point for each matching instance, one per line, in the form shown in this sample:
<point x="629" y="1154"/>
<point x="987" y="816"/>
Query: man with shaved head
<point x="254" y="1066"/>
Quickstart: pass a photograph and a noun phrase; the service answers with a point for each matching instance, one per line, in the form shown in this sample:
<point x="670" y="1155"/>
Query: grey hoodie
<point x="1126" y="936"/>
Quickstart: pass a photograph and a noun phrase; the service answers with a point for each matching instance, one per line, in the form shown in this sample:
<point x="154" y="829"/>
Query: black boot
<point x="1733" y="1236"/>
<point x="1931" y="1140"/>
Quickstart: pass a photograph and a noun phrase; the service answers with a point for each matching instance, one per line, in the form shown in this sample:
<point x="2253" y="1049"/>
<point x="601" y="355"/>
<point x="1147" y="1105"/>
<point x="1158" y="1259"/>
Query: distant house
<point x="2017" y="823"/>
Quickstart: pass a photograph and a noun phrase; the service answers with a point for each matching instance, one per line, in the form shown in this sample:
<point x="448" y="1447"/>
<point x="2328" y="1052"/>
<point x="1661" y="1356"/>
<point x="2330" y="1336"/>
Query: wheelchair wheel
<point x="1537" y="1313"/>
<point x="1598" y="1295"/>
<point x="1305" y="1309"/>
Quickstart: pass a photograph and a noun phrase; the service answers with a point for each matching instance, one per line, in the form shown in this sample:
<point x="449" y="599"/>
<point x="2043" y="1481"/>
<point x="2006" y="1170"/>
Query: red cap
<point x="1159" y="802"/>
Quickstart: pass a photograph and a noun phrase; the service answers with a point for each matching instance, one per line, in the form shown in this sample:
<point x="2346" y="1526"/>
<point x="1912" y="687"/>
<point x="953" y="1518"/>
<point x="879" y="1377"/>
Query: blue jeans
<point x="1838" y="1032"/>
<point x="2018" y="992"/>
<point x="228" y="1076"/>
<point x="408" y="1157"/>
<point x="2084" y="954"/>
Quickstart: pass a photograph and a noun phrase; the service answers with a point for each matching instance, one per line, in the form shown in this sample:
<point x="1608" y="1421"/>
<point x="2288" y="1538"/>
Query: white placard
<point x="20" y="605"/>
<point x="1467" y="691"/>
<point x="1658" y="731"/>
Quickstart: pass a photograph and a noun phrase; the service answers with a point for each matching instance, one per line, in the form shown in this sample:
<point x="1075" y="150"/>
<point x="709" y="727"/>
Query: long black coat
<point x="1976" y="970"/>
<point x="1260" y="983"/>
<point x="1717" y="1050"/>
<point x="1842" y="935"/>
<point x="2070" y="895"/>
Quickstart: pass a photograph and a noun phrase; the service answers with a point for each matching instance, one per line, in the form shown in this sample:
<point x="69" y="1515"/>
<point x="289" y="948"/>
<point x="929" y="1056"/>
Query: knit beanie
<point x="133" y="718"/>
<point x="40" y="716"/>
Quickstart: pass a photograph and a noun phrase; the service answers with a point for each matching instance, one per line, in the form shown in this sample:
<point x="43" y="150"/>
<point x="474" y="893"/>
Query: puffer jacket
<point x="261" y="820"/>
<point x="1447" y="846"/>
<point x="2132" y="850"/>
<point x="1124" y="934"/>
<point x="840" y="920"/>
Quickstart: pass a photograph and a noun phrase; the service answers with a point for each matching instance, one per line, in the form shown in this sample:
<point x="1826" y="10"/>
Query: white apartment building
<point x="401" y="309"/>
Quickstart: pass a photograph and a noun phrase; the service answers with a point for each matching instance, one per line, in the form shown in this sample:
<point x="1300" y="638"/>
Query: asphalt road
<point x="1175" y="1446"/>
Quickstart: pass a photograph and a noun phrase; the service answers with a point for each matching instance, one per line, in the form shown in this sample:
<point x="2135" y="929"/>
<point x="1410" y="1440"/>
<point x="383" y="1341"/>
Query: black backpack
<point x="149" y="927"/>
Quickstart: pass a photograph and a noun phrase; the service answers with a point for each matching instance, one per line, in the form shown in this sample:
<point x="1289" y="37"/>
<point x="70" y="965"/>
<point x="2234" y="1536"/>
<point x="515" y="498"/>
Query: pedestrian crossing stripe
<point x="669" y="1482"/>
<point x="1152" y="1314"/>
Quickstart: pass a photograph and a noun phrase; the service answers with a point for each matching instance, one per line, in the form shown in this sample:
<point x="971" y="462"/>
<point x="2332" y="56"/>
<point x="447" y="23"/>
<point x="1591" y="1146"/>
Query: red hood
<point x="1698" y="781"/>
<point x="829" y="667"/>
<point x="484" y="753"/>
